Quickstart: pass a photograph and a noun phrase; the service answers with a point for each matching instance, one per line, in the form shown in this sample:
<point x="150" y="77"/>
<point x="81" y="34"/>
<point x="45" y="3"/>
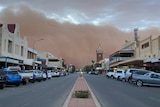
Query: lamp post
<point x="36" y="42"/>
<point x="34" y="55"/>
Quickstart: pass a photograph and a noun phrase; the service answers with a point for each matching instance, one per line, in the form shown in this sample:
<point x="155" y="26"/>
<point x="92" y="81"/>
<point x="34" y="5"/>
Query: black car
<point x="2" y="79"/>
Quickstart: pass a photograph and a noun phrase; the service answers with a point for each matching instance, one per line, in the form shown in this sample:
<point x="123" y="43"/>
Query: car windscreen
<point x="28" y="71"/>
<point x="12" y="72"/>
<point x="119" y="71"/>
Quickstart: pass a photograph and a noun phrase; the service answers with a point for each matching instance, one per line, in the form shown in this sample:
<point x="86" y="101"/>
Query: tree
<point x="88" y="68"/>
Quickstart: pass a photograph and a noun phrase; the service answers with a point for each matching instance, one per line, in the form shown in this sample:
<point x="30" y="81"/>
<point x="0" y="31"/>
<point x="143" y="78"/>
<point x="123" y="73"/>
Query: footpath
<point x="82" y="89"/>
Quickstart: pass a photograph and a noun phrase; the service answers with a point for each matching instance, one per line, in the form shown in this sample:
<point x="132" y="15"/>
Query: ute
<point x="26" y="76"/>
<point x="12" y="77"/>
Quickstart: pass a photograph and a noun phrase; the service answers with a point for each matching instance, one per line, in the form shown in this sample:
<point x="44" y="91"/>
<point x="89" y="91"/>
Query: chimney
<point x="135" y="34"/>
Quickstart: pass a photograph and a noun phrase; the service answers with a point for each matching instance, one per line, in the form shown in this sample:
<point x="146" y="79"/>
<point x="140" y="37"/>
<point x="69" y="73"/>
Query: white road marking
<point x="155" y="99"/>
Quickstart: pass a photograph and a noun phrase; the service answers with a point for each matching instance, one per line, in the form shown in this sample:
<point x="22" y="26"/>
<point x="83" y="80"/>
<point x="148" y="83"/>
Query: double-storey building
<point x="138" y="54"/>
<point x="13" y="49"/>
<point x="50" y="61"/>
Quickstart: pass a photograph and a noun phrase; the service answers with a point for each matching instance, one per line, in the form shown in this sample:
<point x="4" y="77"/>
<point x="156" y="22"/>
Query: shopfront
<point x="152" y="64"/>
<point x="9" y="61"/>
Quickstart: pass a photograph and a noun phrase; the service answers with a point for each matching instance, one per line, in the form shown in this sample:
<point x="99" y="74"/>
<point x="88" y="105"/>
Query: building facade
<point x="143" y="54"/>
<point x="50" y="60"/>
<point x="13" y="49"/>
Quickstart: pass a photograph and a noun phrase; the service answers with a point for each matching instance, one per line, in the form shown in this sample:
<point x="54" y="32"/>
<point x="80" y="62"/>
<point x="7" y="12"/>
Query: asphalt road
<point x="49" y="93"/>
<point x="113" y="93"/>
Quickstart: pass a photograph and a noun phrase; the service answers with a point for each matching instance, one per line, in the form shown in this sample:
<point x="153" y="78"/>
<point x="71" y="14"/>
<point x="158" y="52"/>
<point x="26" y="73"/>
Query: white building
<point x="13" y="49"/>
<point x="50" y="60"/>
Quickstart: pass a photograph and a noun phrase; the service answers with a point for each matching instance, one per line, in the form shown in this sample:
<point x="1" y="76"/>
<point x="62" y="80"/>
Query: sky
<point x="73" y="29"/>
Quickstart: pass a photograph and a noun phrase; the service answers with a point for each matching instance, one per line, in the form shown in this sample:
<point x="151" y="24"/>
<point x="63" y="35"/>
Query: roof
<point x="99" y="50"/>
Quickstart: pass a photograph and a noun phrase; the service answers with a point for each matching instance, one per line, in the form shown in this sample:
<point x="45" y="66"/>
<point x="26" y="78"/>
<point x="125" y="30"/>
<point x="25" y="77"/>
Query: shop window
<point x="10" y="46"/>
<point x="22" y="49"/>
<point x="17" y="49"/>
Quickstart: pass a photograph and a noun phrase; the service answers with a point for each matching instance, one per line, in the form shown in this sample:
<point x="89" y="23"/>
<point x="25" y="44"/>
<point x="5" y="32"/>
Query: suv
<point x="2" y="79"/>
<point x="129" y="72"/>
<point x="120" y="74"/>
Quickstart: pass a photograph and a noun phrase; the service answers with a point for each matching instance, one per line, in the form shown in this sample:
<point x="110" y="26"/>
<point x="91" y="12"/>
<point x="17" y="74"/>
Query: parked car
<point x="26" y="76"/>
<point x="63" y="73"/>
<point x="150" y="78"/>
<point x="140" y="72"/>
<point x="2" y="79"/>
<point x="94" y="72"/>
<point x="49" y="74"/>
<point x="44" y="75"/>
<point x="128" y="73"/>
<point x="31" y="75"/>
<point x="12" y="77"/>
<point x="110" y="74"/>
<point x="119" y="74"/>
<point x="56" y="74"/>
<point x="38" y="75"/>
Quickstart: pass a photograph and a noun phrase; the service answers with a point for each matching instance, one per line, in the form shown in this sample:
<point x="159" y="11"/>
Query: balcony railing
<point x="119" y="59"/>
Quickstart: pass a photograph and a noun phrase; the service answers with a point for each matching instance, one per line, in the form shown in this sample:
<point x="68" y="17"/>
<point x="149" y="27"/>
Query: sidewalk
<point x="81" y="85"/>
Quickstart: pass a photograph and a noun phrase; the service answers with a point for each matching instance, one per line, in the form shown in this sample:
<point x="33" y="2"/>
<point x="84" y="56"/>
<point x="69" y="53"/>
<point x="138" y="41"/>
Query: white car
<point x="110" y="74"/>
<point x="38" y="75"/>
<point x="44" y="75"/>
<point x="49" y="74"/>
<point x="56" y="74"/>
<point x="120" y="74"/>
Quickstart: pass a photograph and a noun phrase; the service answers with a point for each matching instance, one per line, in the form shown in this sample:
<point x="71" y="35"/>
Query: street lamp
<point x="36" y="42"/>
<point x="34" y="55"/>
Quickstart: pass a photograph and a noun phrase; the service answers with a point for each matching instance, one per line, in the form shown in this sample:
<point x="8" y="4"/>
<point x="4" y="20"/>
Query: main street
<point x="113" y="93"/>
<point x="49" y="93"/>
<point x="53" y="93"/>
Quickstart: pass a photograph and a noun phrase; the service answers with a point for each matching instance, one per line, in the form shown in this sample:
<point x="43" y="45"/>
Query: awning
<point x="155" y="60"/>
<point x="151" y="60"/>
<point x="10" y="60"/>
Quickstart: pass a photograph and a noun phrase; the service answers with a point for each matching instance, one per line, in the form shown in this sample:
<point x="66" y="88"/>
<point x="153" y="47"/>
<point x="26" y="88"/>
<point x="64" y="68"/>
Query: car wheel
<point x="123" y="79"/>
<point x="2" y="86"/>
<point x="32" y="81"/>
<point x="130" y="80"/>
<point x="107" y="76"/>
<point x="118" y="78"/>
<point x="139" y="83"/>
<point x="17" y="84"/>
<point x="112" y="76"/>
<point x="24" y="82"/>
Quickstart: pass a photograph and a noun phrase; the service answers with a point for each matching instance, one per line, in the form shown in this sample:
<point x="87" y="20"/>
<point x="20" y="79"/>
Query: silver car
<point x="151" y="79"/>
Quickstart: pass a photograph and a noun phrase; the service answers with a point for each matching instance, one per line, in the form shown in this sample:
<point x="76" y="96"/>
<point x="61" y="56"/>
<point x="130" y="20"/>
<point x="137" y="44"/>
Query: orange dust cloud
<point x="76" y="44"/>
